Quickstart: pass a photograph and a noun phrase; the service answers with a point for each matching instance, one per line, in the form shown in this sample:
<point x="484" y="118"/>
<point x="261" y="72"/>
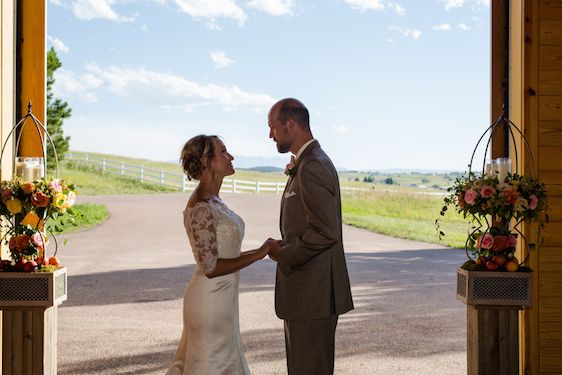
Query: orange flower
<point x="28" y="187"/>
<point x="510" y="196"/>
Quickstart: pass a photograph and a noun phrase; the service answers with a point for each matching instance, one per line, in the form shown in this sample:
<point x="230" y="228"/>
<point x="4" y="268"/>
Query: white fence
<point x="164" y="178"/>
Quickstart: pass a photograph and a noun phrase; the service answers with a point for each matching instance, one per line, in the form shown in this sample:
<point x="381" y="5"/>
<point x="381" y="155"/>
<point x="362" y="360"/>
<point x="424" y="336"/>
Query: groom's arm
<point x="321" y="210"/>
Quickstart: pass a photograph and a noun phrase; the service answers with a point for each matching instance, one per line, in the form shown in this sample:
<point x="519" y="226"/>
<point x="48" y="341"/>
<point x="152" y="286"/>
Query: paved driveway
<point x="127" y="277"/>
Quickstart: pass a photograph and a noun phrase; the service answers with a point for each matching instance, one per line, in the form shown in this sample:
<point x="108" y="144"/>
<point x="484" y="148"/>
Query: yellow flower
<point x="32" y="219"/>
<point x="59" y="199"/>
<point x="14" y="206"/>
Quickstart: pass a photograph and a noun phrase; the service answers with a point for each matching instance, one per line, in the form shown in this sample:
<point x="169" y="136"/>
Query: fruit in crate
<point x="511" y="265"/>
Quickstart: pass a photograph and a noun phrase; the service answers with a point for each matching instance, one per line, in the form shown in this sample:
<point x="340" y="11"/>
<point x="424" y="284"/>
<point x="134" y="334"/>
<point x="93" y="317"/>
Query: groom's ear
<point x="291" y="124"/>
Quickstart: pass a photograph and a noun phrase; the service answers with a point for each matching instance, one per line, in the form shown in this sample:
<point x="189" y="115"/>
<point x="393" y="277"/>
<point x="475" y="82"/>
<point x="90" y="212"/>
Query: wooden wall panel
<point x="550" y="133"/>
<point x="550" y="10"/>
<point x="550" y="107"/>
<point x="550" y="57"/>
<point x="551" y="32"/>
<point x="551" y="344"/>
<point x="550" y="158"/>
<point x="550" y="82"/>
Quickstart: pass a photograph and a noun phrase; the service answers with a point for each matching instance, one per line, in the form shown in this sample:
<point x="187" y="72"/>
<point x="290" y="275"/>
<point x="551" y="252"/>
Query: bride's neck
<point x="209" y="187"/>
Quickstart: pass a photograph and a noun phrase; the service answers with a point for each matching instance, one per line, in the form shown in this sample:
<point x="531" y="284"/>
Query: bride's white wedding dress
<point x="210" y="342"/>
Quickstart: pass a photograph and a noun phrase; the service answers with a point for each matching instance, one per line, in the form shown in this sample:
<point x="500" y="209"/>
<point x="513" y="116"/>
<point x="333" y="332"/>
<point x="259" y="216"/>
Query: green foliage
<point x="86" y="215"/>
<point x="57" y="112"/>
<point x="389" y="181"/>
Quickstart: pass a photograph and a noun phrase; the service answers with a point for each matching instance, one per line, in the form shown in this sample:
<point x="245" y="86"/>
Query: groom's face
<point x="278" y="132"/>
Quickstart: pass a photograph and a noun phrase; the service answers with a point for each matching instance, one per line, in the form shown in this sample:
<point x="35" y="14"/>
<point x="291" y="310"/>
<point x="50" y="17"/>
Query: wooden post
<point x="499" y="73"/>
<point x="493" y="340"/>
<point x="31" y="72"/>
<point x="29" y="341"/>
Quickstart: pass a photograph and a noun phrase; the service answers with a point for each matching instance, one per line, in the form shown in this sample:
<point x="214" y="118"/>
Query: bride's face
<point x="221" y="164"/>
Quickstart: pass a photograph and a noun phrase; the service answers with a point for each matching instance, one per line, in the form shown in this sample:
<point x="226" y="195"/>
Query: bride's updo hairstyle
<point x="193" y="153"/>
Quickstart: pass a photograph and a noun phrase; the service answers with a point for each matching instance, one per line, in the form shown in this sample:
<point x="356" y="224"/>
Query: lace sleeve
<point x="204" y="233"/>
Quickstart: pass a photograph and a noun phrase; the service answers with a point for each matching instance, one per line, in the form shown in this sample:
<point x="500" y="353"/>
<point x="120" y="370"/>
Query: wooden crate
<point x="33" y="289"/>
<point x="494" y="288"/>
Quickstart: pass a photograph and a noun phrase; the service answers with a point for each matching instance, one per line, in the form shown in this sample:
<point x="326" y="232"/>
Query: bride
<point x="210" y="341"/>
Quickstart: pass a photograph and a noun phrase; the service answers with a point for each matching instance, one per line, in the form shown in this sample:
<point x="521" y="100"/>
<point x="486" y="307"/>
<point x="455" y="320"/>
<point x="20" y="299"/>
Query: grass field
<point x="403" y="214"/>
<point x="398" y="210"/>
<point x="88" y="216"/>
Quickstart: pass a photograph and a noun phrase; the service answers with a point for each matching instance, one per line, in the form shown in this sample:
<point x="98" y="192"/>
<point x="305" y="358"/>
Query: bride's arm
<point x="226" y="266"/>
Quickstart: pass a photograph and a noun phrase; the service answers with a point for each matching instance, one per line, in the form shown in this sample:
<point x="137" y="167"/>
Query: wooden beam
<point x="499" y="73"/>
<point x="31" y="72"/>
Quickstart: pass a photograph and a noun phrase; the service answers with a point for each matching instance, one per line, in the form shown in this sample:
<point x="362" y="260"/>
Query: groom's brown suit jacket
<point x="312" y="280"/>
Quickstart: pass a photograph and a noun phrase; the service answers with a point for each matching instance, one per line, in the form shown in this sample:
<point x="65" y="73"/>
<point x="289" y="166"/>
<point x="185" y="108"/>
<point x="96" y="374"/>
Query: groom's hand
<point x="274" y="248"/>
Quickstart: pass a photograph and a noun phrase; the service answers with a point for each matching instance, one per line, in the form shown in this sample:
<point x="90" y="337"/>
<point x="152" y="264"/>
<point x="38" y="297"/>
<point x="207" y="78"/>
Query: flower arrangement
<point x="492" y="205"/>
<point x="26" y="207"/>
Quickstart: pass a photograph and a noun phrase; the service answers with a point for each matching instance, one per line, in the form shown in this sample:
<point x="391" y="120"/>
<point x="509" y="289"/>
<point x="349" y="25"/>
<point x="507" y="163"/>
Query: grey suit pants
<point x="310" y="346"/>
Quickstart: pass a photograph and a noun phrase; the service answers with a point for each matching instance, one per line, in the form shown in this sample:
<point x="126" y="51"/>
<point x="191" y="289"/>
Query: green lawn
<point x="88" y="215"/>
<point x="403" y="214"/>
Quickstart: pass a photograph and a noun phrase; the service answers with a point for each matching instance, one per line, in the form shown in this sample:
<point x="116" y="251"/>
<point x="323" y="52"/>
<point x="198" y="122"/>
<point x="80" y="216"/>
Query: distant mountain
<point x="264" y="169"/>
<point x="246" y="162"/>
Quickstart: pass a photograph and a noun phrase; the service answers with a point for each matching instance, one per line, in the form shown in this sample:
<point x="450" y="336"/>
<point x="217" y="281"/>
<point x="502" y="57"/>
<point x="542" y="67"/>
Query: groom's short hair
<point x="293" y="109"/>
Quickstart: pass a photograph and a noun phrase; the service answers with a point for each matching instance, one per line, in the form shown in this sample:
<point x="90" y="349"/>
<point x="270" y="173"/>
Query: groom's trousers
<point x="310" y="346"/>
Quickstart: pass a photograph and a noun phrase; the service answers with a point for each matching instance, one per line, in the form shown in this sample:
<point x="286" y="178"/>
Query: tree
<point x="389" y="181"/>
<point x="57" y="111"/>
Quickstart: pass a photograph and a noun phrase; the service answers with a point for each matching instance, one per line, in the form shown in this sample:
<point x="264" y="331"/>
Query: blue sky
<point x="389" y="84"/>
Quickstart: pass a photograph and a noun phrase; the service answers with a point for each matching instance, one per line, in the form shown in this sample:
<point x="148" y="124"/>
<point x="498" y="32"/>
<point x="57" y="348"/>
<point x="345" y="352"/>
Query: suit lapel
<point x="312" y="146"/>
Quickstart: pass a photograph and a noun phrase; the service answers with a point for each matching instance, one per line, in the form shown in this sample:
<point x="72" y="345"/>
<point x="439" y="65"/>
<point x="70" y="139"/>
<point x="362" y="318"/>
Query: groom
<point x="312" y="284"/>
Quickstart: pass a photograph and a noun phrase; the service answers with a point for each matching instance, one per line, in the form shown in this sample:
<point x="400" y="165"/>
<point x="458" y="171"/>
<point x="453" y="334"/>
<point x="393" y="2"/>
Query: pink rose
<point x="470" y="196"/>
<point x="5" y="195"/>
<point x="533" y="202"/>
<point x="38" y="239"/>
<point x="486" y="241"/>
<point x="511" y="241"/>
<point x="55" y="185"/>
<point x="487" y="191"/>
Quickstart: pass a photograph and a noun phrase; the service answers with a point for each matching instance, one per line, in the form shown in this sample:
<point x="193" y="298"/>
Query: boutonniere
<point x="290" y="169"/>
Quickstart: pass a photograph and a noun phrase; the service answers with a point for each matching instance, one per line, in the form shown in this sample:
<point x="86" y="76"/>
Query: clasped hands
<point x="271" y="247"/>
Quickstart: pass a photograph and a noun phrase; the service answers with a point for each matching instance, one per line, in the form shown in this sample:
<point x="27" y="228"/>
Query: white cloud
<point x="167" y="89"/>
<point x="442" y="27"/>
<point x="67" y="84"/>
<point x="463" y="27"/>
<point x="450" y="4"/>
<point x="415" y="34"/>
<point x="273" y="7"/>
<point x="89" y="9"/>
<point x="365" y="5"/>
<point x="58" y="44"/>
<point x="55" y="2"/>
<point x="220" y="59"/>
<point x="476" y="4"/>
<point x="212" y="9"/>
<point x="341" y="129"/>
<point x="401" y="11"/>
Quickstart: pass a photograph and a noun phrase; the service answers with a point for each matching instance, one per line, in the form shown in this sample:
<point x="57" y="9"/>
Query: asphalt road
<point x="127" y="277"/>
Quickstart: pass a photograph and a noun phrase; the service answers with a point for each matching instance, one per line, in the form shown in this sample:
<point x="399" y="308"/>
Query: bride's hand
<point x="270" y="245"/>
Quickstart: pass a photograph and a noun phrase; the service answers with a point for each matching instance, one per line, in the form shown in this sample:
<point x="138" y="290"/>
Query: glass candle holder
<point x="504" y="167"/>
<point x="29" y="168"/>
